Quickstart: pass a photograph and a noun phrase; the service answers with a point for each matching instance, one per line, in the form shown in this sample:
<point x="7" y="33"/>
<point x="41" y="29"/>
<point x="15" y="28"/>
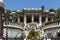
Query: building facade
<point x="33" y="15"/>
<point x="31" y="18"/>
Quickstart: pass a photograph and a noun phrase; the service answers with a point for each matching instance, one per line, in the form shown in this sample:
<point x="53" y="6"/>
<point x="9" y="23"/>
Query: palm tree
<point x="7" y="13"/>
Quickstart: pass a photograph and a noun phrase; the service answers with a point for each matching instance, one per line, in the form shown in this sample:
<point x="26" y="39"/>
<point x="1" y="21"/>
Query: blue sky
<point x="20" y="4"/>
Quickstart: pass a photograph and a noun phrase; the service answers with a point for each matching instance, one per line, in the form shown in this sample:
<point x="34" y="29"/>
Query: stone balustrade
<point x="53" y="25"/>
<point x="15" y="31"/>
<point x="32" y="9"/>
<point x="15" y="25"/>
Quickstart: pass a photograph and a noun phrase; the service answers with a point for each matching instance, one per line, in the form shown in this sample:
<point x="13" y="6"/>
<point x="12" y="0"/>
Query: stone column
<point x="32" y="18"/>
<point x="25" y="21"/>
<point x="18" y="20"/>
<point x="40" y="19"/>
<point x="46" y="18"/>
<point x="52" y="19"/>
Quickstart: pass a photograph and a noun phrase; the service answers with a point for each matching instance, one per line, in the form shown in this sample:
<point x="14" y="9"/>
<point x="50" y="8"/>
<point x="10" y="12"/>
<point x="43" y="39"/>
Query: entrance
<point x="58" y="34"/>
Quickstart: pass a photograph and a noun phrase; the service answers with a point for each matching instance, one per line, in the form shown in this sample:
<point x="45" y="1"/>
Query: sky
<point x="20" y="4"/>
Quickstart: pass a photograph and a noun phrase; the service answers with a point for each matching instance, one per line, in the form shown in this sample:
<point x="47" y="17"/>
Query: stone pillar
<point x="40" y="19"/>
<point x="24" y="19"/>
<point x="18" y="20"/>
<point x="52" y="19"/>
<point x="46" y="18"/>
<point x="32" y="18"/>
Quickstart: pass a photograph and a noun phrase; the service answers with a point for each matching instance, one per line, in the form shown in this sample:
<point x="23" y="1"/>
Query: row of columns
<point x="47" y="19"/>
<point x="40" y="19"/>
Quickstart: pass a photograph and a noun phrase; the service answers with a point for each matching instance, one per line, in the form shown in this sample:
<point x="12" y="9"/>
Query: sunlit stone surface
<point x="1" y="0"/>
<point x="12" y="33"/>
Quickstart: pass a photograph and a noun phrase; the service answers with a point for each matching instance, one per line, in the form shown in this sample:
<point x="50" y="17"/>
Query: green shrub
<point x="57" y="20"/>
<point x="33" y="33"/>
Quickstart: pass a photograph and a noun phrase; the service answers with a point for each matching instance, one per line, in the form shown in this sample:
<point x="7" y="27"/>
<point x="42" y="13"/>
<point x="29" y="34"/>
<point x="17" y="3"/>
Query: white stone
<point x="52" y="12"/>
<point x="25" y="39"/>
<point x="28" y="8"/>
<point x="12" y="33"/>
<point x="36" y="9"/>
<point x="13" y="12"/>
<point x="1" y="0"/>
<point x="19" y="11"/>
<point x="25" y="8"/>
<point x="32" y="8"/>
<point x="39" y="8"/>
<point x="0" y="39"/>
<point x="47" y="10"/>
<point x="48" y="39"/>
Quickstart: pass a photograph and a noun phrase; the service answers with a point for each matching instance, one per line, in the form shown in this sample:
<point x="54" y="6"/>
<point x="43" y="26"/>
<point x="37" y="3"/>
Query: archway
<point x="58" y="34"/>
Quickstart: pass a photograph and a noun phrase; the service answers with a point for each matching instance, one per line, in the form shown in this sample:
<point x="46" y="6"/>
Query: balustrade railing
<point x="16" y="25"/>
<point x="52" y="25"/>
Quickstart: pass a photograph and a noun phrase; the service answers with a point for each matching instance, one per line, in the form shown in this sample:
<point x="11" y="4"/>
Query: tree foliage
<point x="52" y="10"/>
<point x="7" y="13"/>
<point x="55" y="21"/>
<point x="58" y="12"/>
<point x="14" y="18"/>
<point x="33" y="33"/>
